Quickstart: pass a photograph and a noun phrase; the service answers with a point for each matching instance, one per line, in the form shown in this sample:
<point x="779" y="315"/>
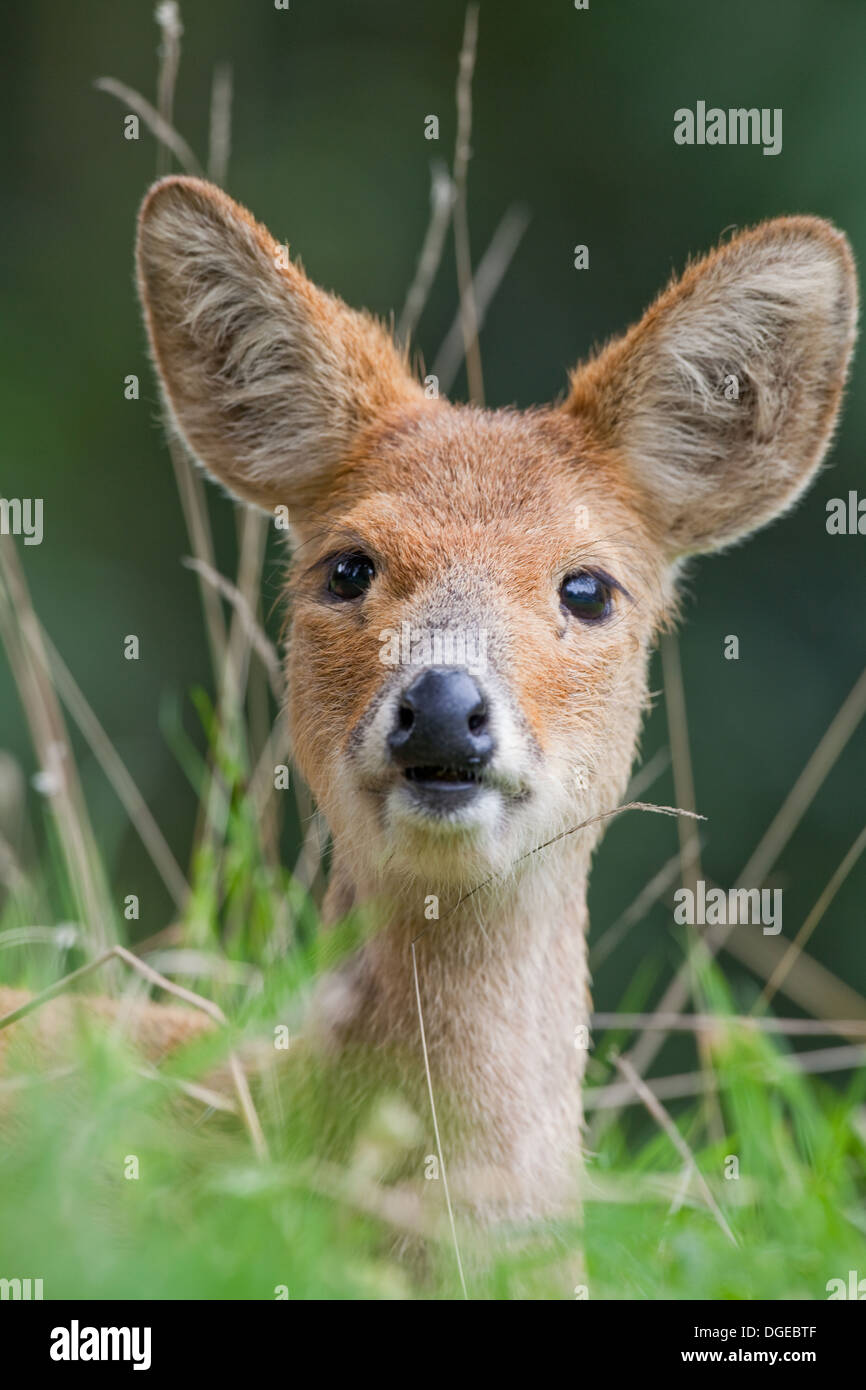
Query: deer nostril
<point x="407" y="717"/>
<point x="478" y="721"/>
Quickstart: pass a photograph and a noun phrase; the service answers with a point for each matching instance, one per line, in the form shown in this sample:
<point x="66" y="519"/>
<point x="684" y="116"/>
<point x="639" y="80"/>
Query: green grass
<point x="205" y="1218"/>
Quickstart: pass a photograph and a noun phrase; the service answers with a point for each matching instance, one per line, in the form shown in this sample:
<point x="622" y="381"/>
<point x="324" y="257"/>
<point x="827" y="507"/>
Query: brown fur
<point x="473" y="518"/>
<point x="155" y="1031"/>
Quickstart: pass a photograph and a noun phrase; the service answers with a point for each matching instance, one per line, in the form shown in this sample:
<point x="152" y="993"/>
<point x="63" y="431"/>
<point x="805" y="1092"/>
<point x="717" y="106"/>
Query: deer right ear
<point x="269" y="379"/>
<point x="721" y="401"/>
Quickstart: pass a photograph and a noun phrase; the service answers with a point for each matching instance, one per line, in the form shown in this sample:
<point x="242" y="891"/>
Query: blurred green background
<point x="573" y="116"/>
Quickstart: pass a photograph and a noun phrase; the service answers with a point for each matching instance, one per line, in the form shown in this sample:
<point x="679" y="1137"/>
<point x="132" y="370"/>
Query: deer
<point x="465" y="800"/>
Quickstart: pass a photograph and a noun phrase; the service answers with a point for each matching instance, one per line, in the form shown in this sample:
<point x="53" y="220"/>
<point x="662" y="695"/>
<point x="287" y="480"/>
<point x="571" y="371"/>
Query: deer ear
<point x="721" y="401"/>
<point x="268" y="379"/>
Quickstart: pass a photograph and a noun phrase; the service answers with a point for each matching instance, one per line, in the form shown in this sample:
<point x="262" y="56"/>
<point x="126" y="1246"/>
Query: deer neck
<point x="500" y="985"/>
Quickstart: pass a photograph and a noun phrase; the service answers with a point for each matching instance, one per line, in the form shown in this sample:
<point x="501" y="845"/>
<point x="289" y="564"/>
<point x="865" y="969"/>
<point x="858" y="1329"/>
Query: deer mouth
<point x="462" y="778"/>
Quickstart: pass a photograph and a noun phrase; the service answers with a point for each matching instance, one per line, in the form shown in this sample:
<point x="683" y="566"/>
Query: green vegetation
<point x="207" y="1216"/>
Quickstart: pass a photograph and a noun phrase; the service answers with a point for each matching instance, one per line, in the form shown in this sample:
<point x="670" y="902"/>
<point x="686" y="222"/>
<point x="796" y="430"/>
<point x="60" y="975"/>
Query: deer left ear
<point x="722" y="400"/>
<point x="270" y="380"/>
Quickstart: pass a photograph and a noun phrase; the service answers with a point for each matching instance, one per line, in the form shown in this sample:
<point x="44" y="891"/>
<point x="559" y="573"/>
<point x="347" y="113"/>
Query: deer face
<point x="471" y="615"/>
<point x="474" y="593"/>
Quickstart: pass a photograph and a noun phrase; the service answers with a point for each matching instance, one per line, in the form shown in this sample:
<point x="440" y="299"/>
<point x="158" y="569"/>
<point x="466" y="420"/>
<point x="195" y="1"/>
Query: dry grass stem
<point x="718" y="1023"/>
<point x="22" y="638"/>
<point x="220" y="130"/>
<point x="257" y="637"/>
<point x="119" y="776"/>
<point x="430" y="258"/>
<point x="166" y="136"/>
<point x="761" y="861"/>
<point x="662" y="1118"/>
<point x="462" y="154"/>
<point x="787" y="962"/>
<point x="488" y="277"/>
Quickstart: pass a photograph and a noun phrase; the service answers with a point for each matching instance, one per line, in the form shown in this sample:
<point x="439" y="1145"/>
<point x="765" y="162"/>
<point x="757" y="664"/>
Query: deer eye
<point x="586" y="596"/>
<point x="351" y="576"/>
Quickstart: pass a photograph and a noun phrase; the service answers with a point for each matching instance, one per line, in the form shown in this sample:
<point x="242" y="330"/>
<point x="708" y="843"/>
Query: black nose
<point x="442" y="722"/>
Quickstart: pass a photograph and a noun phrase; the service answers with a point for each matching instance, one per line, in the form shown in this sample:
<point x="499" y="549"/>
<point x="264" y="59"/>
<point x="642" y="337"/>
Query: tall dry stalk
<point x="22" y="638"/>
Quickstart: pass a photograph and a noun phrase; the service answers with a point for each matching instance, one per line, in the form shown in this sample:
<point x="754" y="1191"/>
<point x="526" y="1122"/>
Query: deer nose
<point x="442" y="722"/>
